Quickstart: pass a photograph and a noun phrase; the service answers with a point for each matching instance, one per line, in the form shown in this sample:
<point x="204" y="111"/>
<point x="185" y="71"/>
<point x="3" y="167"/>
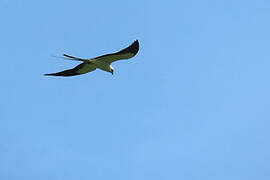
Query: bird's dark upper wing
<point x="80" y="69"/>
<point x="126" y="53"/>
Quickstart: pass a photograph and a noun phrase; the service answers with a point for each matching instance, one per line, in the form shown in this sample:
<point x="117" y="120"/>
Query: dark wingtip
<point x="49" y="74"/>
<point x="134" y="47"/>
<point x="63" y="73"/>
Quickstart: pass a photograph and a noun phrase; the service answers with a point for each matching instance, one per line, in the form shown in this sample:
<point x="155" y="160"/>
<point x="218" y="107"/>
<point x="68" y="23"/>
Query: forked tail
<point x="68" y="57"/>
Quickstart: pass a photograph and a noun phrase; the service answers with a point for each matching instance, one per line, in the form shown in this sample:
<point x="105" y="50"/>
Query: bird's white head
<point x="111" y="69"/>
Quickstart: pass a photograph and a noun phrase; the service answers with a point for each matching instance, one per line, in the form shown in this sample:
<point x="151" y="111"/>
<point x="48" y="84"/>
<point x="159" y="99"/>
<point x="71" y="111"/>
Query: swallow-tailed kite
<point x="101" y="62"/>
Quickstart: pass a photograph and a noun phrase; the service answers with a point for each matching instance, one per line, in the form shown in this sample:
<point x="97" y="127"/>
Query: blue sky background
<point x="193" y="104"/>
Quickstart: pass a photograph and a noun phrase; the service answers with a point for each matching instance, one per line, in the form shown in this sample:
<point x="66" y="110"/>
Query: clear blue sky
<point x="193" y="104"/>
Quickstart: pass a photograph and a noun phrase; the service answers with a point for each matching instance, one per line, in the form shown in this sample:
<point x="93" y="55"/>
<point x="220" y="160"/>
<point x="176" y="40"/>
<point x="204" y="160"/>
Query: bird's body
<point x="101" y="65"/>
<point x="101" y="62"/>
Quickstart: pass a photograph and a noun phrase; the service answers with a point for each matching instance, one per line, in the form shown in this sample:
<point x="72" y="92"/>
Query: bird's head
<point x="111" y="69"/>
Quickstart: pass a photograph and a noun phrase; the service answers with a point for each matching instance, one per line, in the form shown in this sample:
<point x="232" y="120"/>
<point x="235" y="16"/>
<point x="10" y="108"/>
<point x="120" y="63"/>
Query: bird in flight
<point x="100" y="62"/>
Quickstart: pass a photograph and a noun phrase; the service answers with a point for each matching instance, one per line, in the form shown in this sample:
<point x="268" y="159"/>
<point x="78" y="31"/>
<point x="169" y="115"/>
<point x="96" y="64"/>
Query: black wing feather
<point x="133" y="48"/>
<point x="72" y="72"/>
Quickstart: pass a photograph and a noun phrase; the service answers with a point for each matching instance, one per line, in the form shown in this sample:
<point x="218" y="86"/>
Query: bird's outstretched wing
<point x="80" y="69"/>
<point x="126" y="53"/>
